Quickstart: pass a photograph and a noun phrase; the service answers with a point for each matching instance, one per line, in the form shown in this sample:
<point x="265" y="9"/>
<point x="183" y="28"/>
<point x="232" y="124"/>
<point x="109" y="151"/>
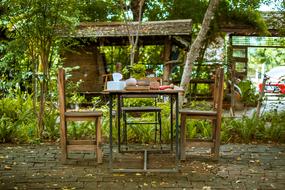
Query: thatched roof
<point x="274" y="21"/>
<point x="121" y="29"/>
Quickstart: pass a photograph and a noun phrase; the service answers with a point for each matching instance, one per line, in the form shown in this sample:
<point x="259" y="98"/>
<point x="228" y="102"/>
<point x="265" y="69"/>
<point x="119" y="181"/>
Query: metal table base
<point x="173" y="96"/>
<point x="145" y="166"/>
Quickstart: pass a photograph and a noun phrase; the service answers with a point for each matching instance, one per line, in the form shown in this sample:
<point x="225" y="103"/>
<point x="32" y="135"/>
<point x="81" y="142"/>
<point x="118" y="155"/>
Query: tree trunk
<point x="42" y="108"/>
<point x="196" y="47"/>
<point x="200" y="62"/>
<point x="137" y="9"/>
<point x="166" y="58"/>
<point x="43" y="90"/>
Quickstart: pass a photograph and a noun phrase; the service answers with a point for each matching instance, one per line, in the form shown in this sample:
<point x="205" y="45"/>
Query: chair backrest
<point x="219" y="89"/>
<point x="61" y="90"/>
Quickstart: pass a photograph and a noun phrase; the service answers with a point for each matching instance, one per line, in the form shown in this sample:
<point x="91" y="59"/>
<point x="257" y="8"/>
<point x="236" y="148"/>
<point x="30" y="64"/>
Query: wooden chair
<point x="213" y="115"/>
<point x="106" y="78"/>
<point x="149" y="109"/>
<point x="65" y="116"/>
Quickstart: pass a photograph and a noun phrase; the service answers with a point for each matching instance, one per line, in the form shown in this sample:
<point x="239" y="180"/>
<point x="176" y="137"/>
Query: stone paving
<point x="240" y="167"/>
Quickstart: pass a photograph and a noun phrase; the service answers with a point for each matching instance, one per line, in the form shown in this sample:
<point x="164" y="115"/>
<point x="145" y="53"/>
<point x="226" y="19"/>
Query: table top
<point x="166" y="91"/>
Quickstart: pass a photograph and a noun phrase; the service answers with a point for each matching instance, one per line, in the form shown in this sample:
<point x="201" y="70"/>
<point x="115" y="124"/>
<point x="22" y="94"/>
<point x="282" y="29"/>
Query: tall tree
<point x="197" y="45"/>
<point x="38" y="24"/>
<point x="137" y="7"/>
<point x="137" y="10"/>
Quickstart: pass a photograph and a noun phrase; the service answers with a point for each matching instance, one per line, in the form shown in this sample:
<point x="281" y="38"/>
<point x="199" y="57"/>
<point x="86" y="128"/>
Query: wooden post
<point x="232" y="76"/>
<point x="261" y="95"/>
<point x="61" y="92"/>
<point x="219" y="113"/>
<point x="99" y="153"/>
<point x="183" y="137"/>
<point x="166" y="57"/>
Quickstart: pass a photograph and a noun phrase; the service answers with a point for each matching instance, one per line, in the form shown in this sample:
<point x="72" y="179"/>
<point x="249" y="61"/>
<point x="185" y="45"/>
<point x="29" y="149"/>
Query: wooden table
<point x="173" y="94"/>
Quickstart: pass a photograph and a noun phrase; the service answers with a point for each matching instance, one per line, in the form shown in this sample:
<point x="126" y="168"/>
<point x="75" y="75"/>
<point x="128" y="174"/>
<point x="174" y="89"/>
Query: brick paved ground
<point x="240" y="167"/>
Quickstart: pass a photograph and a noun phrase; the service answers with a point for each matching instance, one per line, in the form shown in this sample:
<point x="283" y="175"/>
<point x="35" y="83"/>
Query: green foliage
<point x="51" y="124"/>
<point x="77" y="98"/>
<point x="138" y="102"/>
<point x="17" y="115"/>
<point x="198" y="129"/>
<point x="185" y="9"/>
<point x="81" y="130"/>
<point x="199" y="105"/>
<point x="145" y="133"/>
<point x="269" y="127"/>
<point x="275" y="126"/>
<point x="249" y="96"/>
<point x="98" y="10"/>
<point x="151" y="57"/>
<point x="72" y="91"/>
<point x="136" y="71"/>
<point x="7" y="129"/>
<point x="157" y="10"/>
<point x="242" y="12"/>
<point x="141" y="133"/>
<point x="18" y="121"/>
<point x="268" y="56"/>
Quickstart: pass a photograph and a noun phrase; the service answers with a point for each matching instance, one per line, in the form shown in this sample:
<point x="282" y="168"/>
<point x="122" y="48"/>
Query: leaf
<point x="7" y="167"/>
<point x="119" y="175"/>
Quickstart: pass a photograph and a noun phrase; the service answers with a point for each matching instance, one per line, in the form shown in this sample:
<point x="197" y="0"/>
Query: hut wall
<point x="91" y="68"/>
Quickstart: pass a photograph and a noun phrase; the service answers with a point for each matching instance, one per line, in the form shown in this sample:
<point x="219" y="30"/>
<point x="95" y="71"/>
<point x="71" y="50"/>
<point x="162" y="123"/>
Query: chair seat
<point x="141" y="109"/>
<point x="83" y="114"/>
<point x="198" y="113"/>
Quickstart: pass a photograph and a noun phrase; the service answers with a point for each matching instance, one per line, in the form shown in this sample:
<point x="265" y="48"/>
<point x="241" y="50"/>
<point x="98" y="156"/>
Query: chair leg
<point x="214" y="132"/>
<point x="125" y="131"/>
<point x="160" y="127"/>
<point x="99" y="152"/>
<point x="155" y="126"/>
<point x="217" y="138"/>
<point x="63" y="138"/>
<point x="183" y="137"/>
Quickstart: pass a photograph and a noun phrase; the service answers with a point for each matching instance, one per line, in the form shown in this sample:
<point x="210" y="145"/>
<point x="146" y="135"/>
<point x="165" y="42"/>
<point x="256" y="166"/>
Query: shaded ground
<point x="240" y="167"/>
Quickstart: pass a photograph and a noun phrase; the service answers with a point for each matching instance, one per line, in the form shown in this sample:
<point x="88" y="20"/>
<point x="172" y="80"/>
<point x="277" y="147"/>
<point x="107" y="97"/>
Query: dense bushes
<point x="269" y="127"/>
<point x="249" y="96"/>
<point x="18" y="124"/>
<point x="18" y="120"/>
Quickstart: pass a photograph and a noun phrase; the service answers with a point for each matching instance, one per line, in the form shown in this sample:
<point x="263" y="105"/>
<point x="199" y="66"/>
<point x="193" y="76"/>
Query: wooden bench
<point x="213" y="115"/>
<point x="65" y="116"/>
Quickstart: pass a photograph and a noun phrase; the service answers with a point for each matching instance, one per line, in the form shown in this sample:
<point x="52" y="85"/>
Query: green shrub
<point x="17" y="113"/>
<point x="18" y="121"/>
<point x="7" y="129"/>
<point x="249" y="96"/>
<point x="275" y="126"/>
<point x="51" y="124"/>
<point x="198" y="129"/>
<point x="268" y="127"/>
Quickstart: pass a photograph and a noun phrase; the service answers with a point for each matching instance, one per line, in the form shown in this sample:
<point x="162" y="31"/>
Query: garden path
<point x="241" y="166"/>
